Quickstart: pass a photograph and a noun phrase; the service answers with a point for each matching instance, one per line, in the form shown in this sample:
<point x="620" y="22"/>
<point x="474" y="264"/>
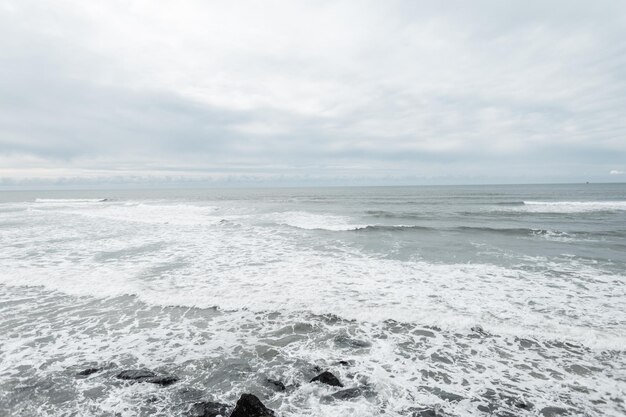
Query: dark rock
<point x="89" y="371"/>
<point x="144" y="375"/>
<point x="163" y="381"/>
<point x="209" y="409"/>
<point x="277" y="385"/>
<point x="553" y="411"/>
<point x="327" y="378"/>
<point x="136" y="374"/>
<point x="345" y="363"/>
<point x="250" y="406"/>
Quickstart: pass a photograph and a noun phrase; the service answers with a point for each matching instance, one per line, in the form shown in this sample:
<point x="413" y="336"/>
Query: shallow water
<point x="465" y="300"/>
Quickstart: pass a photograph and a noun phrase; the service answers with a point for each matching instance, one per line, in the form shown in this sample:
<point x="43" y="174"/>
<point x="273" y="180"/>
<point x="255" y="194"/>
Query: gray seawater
<point x="447" y="301"/>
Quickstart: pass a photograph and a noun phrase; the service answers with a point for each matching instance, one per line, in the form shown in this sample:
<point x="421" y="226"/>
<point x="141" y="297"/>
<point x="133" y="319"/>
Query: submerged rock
<point x="249" y="405"/>
<point x="136" y="374"/>
<point x="89" y="371"/>
<point x="327" y="378"/>
<point x="209" y="409"/>
<point x="277" y="385"/>
<point x="163" y="381"/>
<point x="145" y="375"/>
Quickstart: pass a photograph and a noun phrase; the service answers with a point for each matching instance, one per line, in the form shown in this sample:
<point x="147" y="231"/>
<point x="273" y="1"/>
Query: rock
<point x="89" y="371"/>
<point x="209" y="409"/>
<point x="163" y="381"/>
<point x="277" y="385"/>
<point x="136" y="374"/>
<point x="144" y="375"/>
<point x="327" y="378"/>
<point x="250" y="406"/>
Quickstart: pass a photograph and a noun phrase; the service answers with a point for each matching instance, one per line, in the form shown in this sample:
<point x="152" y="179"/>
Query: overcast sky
<point x="315" y="92"/>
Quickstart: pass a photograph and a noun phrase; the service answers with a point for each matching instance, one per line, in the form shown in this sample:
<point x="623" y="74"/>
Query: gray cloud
<point x="311" y="92"/>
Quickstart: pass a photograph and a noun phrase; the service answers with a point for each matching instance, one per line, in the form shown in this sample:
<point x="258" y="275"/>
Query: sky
<point x="311" y="92"/>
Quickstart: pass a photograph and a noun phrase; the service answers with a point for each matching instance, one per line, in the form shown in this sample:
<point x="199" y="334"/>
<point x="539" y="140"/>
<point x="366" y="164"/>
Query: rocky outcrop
<point x="136" y="374"/>
<point x="249" y="405"/>
<point x="327" y="378"/>
<point x="163" y="381"/>
<point x="145" y="375"/>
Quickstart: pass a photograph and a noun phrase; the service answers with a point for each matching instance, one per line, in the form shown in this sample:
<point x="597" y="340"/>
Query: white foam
<point x="175" y="264"/>
<point x="569" y="206"/>
<point x="69" y="200"/>
<point x="179" y="254"/>
<point x="58" y="336"/>
<point x="154" y="213"/>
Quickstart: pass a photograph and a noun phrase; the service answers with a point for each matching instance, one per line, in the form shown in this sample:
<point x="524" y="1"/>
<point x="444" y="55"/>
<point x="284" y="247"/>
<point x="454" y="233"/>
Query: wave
<point x="548" y="234"/>
<point x="332" y="223"/>
<point x="70" y="200"/>
<point x="391" y="215"/>
<point x="312" y="221"/>
<point x="573" y="206"/>
<point x="476" y="229"/>
<point x="510" y="203"/>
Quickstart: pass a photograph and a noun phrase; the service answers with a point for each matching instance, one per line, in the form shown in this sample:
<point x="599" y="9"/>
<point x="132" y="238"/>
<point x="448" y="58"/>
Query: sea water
<point x="453" y="301"/>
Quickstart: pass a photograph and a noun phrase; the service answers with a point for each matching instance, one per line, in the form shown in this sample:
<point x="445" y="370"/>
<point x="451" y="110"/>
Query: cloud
<point x="301" y="89"/>
<point x="616" y="172"/>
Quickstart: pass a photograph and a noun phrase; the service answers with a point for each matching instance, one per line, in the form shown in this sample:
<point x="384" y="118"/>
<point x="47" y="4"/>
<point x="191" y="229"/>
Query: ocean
<point x="505" y="300"/>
